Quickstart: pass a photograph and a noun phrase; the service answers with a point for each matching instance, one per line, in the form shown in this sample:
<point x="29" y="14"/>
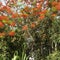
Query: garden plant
<point x="30" y="30"/>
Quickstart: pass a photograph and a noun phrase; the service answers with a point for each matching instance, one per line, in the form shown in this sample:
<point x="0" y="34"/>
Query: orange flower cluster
<point x="15" y="15"/>
<point x="4" y="18"/>
<point x="34" y="14"/>
<point x="56" y="4"/>
<point x="1" y="25"/>
<point x="11" y="33"/>
<point x="25" y="27"/>
<point x="42" y="17"/>
<point x="43" y="12"/>
<point x="53" y="15"/>
<point x="6" y="8"/>
<point x="24" y="15"/>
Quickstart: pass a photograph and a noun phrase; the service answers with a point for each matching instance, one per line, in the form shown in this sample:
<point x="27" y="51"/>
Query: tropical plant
<point x="54" y="56"/>
<point x="36" y="25"/>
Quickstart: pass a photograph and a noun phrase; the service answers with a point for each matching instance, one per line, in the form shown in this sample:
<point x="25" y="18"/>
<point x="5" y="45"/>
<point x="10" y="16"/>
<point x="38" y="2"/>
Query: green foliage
<point x="54" y="56"/>
<point x="22" y="56"/>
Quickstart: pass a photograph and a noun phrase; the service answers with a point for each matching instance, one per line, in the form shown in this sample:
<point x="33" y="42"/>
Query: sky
<point x="3" y="2"/>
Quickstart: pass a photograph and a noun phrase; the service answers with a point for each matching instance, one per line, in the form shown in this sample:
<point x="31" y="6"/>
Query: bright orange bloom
<point x="3" y="8"/>
<point x="42" y="17"/>
<point x="14" y="15"/>
<point x="58" y="6"/>
<point x="6" y="8"/>
<point x="33" y="25"/>
<point x="4" y="18"/>
<point x="25" y="27"/>
<point x="13" y="24"/>
<point x="54" y="3"/>
<point x="43" y="12"/>
<point x="1" y="25"/>
<point x="53" y="15"/>
<point x="11" y="33"/>
<point x="24" y="15"/>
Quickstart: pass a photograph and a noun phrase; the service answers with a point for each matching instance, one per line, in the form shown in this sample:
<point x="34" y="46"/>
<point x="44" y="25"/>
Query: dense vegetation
<point x="30" y="30"/>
